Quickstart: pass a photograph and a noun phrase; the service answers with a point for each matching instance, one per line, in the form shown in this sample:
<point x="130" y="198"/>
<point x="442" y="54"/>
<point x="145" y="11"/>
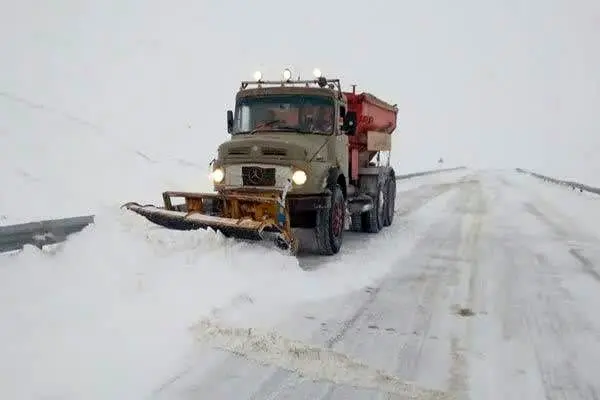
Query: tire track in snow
<point x="587" y="265"/>
<point x="529" y="336"/>
<point x="314" y="362"/>
<point x="265" y="381"/>
<point x="566" y="236"/>
<point x="545" y="341"/>
<point x="405" y="339"/>
<point x="470" y="284"/>
<point x="440" y="258"/>
<point x="410" y="323"/>
<point x="349" y="323"/>
<point x="555" y="329"/>
<point x="409" y="204"/>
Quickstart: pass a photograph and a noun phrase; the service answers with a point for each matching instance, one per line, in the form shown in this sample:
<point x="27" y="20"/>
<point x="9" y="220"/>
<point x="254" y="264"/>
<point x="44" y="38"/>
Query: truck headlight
<point x="217" y="175"/>
<point x="299" y="177"/>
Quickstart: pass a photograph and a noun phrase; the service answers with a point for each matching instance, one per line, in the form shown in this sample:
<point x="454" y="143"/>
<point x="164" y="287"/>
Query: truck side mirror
<point x="229" y="121"/>
<point x="350" y="123"/>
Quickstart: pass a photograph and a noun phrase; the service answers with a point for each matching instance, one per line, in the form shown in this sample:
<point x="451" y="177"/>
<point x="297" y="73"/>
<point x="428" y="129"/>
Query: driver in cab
<point x="323" y="121"/>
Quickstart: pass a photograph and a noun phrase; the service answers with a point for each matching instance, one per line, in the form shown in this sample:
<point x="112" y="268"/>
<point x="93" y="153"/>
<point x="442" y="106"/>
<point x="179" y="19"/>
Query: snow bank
<point x="109" y="311"/>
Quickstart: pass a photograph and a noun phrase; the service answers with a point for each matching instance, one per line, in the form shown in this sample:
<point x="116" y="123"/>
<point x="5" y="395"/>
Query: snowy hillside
<point x="497" y="86"/>
<point x="54" y="166"/>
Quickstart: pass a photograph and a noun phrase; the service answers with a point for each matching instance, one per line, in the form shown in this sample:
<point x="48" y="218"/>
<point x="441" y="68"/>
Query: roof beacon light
<point x="287" y="74"/>
<point x="257" y="76"/>
<point x="317" y="73"/>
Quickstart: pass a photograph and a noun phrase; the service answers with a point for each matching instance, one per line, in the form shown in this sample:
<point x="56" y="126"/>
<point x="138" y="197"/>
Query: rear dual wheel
<point x="372" y="220"/>
<point x="382" y="213"/>
<point x="390" y="200"/>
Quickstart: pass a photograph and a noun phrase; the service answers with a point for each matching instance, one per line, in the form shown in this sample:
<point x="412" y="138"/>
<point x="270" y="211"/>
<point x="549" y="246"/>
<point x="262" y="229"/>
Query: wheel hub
<point x="337" y="219"/>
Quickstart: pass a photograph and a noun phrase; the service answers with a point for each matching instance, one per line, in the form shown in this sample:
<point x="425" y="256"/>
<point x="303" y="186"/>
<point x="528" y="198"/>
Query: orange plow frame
<point x="235" y="214"/>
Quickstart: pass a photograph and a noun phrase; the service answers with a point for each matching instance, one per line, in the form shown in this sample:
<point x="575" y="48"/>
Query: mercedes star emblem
<point x="254" y="176"/>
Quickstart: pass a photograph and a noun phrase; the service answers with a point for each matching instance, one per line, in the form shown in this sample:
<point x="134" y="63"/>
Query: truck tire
<point x="329" y="231"/>
<point x="390" y="201"/>
<point x="372" y="220"/>
<point x="356" y="223"/>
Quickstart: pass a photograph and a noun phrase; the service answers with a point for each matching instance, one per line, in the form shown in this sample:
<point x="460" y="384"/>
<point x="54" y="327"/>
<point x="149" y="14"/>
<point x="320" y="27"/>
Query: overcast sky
<point x="500" y="83"/>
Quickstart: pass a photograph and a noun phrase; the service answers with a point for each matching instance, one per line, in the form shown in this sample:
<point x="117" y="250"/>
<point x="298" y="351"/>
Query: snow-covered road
<point x="486" y="287"/>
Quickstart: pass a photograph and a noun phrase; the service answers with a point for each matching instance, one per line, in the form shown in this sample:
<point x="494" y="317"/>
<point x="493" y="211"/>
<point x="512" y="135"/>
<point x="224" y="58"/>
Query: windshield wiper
<point x="264" y="125"/>
<point x="291" y="129"/>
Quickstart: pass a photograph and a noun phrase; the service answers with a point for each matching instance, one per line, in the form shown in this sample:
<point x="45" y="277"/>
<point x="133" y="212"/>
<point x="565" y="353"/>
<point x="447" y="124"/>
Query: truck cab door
<point x="341" y="144"/>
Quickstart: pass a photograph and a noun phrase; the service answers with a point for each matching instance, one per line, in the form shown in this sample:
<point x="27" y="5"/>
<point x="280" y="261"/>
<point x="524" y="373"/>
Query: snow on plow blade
<point x="242" y="216"/>
<point x="180" y="220"/>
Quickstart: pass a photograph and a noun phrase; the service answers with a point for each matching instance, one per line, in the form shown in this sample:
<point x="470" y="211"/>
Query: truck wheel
<point x="372" y="220"/>
<point x="356" y="224"/>
<point x="330" y="224"/>
<point x="390" y="201"/>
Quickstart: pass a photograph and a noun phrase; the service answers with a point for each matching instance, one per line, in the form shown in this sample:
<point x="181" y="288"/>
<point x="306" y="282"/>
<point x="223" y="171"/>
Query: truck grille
<point x="239" y="151"/>
<point x="274" y="152"/>
<point x="257" y="176"/>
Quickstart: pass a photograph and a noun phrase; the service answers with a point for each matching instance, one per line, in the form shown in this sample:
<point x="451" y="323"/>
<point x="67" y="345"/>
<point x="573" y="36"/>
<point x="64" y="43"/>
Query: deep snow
<point x="107" y="314"/>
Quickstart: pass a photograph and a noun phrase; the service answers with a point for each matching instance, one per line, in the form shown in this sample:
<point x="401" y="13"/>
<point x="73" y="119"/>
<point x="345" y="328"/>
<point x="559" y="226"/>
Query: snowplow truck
<point x="302" y="154"/>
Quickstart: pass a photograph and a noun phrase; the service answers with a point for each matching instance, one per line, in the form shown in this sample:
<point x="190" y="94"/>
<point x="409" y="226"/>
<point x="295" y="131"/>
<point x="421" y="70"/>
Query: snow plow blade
<point x="179" y="220"/>
<point x="242" y="216"/>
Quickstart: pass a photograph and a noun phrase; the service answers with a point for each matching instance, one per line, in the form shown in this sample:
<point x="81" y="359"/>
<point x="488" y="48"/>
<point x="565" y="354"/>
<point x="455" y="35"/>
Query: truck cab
<point x="302" y="128"/>
<point x="294" y="136"/>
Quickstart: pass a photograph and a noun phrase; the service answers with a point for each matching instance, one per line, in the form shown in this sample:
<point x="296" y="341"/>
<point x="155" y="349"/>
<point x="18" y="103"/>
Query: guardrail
<point x="429" y="172"/>
<point x="41" y="233"/>
<point x="572" y="184"/>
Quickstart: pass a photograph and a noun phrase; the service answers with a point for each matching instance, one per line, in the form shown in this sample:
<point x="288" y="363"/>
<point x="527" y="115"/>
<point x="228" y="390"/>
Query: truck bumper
<point x="303" y="203"/>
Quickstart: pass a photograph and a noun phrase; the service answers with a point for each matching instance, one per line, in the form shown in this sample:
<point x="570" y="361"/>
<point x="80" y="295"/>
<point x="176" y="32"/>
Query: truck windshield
<point x="286" y="113"/>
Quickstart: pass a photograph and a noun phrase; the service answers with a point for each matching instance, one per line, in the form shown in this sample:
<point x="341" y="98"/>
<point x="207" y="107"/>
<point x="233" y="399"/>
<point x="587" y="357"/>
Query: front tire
<point x="329" y="231"/>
